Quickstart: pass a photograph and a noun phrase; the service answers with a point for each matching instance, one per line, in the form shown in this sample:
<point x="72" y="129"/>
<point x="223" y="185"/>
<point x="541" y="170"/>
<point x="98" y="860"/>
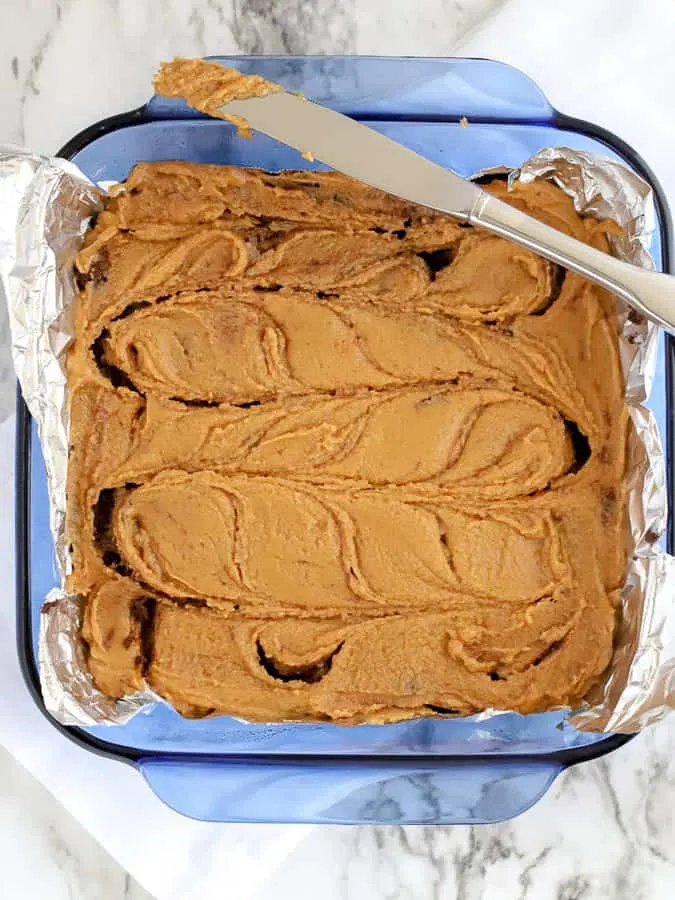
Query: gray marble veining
<point x="606" y="829"/>
<point x="293" y="26"/>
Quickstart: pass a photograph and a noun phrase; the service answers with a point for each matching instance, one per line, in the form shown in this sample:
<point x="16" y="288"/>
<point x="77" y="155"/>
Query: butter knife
<point x="370" y="157"/>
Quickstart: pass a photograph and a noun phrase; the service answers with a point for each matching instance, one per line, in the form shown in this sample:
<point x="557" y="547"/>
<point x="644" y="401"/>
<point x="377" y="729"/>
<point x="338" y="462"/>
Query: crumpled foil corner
<point x="45" y="209"/>
<point x="68" y="689"/>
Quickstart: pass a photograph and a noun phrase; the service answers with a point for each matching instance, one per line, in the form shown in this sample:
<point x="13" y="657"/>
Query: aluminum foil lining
<point x="45" y="208"/>
<point x="68" y="689"/>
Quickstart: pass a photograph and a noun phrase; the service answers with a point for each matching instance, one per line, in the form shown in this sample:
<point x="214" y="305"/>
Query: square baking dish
<point x="427" y="771"/>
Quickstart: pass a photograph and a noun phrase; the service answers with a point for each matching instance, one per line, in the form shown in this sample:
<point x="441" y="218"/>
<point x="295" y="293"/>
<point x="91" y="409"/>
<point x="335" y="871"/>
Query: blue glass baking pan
<point x="427" y="771"/>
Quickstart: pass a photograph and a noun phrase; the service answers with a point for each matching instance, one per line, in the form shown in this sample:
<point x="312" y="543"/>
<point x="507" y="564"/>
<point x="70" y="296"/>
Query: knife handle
<point x="652" y="293"/>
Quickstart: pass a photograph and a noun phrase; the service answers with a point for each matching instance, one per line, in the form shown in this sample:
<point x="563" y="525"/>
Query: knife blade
<point x="356" y="150"/>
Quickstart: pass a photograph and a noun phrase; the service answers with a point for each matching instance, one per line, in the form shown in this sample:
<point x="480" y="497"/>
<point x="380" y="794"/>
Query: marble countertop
<point x="606" y="829"/>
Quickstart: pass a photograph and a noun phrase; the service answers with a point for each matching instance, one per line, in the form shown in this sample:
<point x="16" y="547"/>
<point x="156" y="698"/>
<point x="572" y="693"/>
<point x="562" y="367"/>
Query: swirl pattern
<point x="335" y="457"/>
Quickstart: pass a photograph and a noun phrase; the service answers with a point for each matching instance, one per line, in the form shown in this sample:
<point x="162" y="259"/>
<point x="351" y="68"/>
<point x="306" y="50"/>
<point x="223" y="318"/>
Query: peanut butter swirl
<point x="337" y="458"/>
<point x="208" y="85"/>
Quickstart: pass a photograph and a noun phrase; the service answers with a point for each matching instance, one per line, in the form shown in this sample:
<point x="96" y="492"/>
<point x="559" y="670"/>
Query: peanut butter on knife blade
<point x="206" y="86"/>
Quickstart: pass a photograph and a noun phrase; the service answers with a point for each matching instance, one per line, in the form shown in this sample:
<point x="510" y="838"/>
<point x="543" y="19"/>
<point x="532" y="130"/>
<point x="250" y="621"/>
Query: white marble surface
<point x="46" y="852"/>
<point x="606" y="829"/>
